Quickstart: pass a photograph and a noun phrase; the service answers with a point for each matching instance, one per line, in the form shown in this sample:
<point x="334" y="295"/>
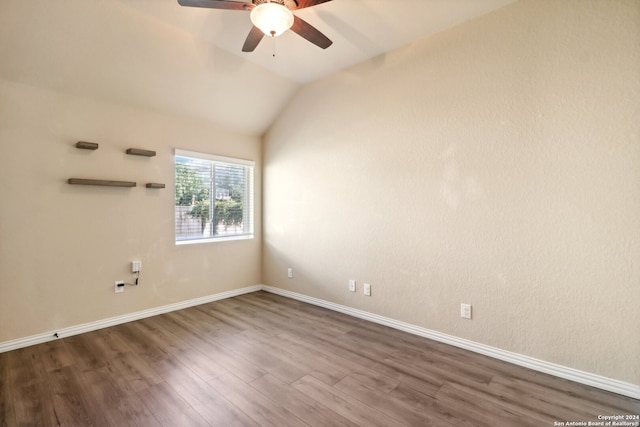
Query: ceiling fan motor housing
<point x="272" y="17"/>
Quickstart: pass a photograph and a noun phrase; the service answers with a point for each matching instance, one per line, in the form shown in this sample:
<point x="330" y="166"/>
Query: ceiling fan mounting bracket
<point x="259" y="2"/>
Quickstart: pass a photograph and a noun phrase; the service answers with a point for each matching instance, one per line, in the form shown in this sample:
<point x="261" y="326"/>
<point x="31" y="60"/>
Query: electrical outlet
<point x="136" y="266"/>
<point x="352" y="285"/>
<point x="465" y="311"/>
<point x="367" y="289"/>
<point x="290" y="273"/>
<point x="119" y="286"/>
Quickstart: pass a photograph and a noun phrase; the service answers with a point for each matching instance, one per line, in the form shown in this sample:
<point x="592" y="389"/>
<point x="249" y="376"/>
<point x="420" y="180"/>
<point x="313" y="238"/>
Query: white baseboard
<point x="604" y="383"/>
<point x="112" y="321"/>
<point x="598" y="381"/>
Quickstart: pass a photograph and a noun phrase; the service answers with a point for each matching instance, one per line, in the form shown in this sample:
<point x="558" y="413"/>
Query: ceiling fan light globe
<point x="272" y="19"/>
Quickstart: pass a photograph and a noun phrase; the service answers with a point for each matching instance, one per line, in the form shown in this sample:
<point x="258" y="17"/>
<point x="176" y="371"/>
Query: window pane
<point x="230" y="190"/>
<point x="199" y="215"/>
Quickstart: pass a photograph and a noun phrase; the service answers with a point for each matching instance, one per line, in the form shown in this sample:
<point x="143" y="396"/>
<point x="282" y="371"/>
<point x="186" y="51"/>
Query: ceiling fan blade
<point x="309" y="32"/>
<point x="253" y="39"/>
<point x="217" y="4"/>
<point x="301" y="4"/>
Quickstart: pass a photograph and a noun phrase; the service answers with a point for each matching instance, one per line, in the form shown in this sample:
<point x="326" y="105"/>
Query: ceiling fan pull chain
<point x="273" y="37"/>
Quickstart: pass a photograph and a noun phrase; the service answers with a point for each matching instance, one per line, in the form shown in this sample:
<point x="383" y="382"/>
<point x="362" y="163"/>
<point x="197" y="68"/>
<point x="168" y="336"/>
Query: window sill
<point x="214" y="239"/>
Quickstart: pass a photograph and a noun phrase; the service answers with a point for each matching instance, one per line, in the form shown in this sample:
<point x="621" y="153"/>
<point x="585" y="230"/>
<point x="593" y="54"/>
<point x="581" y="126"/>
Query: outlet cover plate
<point x="136" y="266"/>
<point x="465" y="311"/>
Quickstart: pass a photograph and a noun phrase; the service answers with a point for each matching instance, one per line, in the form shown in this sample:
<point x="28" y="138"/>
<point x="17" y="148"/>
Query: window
<point x="214" y="198"/>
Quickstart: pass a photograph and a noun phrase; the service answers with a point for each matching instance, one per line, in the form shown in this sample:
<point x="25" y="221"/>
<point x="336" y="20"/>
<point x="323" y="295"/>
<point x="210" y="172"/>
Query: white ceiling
<point x="158" y="55"/>
<point x="359" y="29"/>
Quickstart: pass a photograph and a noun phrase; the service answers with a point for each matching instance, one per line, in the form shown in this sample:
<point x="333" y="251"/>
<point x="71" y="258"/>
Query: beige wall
<point x="110" y="73"/>
<point x="496" y="164"/>
<point x="63" y="246"/>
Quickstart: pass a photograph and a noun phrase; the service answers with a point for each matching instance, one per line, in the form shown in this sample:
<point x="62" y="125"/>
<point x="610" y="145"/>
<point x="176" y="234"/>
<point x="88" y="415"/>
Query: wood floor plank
<point x="301" y="316"/>
<point x="31" y="404"/>
<point x="7" y="391"/>
<point x="340" y="365"/>
<point x="468" y="407"/>
<point x="182" y="325"/>
<point x="199" y="321"/>
<point x="341" y="358"/>
<point x="517" y="404"/>
<point x="73" y="404"/>
<point x="414" y="379"/>
<point x="392" y="342"/>
<point x="437" y="367"/>
<point x="23" y="366"/>
<point x="309" y="362"/>
<point x="25" y="394"/>
<point x="159" y="337"/>
<point x="344" y="404"/>
<point x="232" y="361"/>
<point x="55" y="355"/>
<point x="307" y="409"/>
<point x="346" y="348"/>
<point x="83" y="351"/>
<point x="258" y="354"/>
<point x="205" y="341"/>
<point x="224" y="320"/>
<point x="122" y="409"/>
<point x="426" y="404"/>
<point x="132" y="374"/>
<point x="481" y="362"/>
<point x="256" y="405"/>
<point x="388" y="404"/>
<point x="170" y="408"/>
<point x="262" y="359"/>
<point x="422" y="380"/>
<point x="558" y="403"/>
<point x="210" y="404"/>
<point x="143" y="346"/>
<point x="199" y="362"/>
<point x="108" y="343"/>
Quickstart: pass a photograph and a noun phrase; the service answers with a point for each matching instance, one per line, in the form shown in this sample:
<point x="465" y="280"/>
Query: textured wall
<point x="496" y="164"/>
<point x="63" y="246"/>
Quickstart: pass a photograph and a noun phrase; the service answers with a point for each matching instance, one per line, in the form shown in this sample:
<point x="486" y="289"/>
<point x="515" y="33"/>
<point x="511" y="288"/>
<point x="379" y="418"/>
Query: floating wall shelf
<point x="87" y="145"/>
<point x="80" y="181"/>
<point x="154" y="185"/>
<point x="139" y="152"/>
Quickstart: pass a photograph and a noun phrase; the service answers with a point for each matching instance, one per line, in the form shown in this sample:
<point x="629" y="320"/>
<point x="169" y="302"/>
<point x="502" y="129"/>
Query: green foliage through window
<point x="212" y="198"/>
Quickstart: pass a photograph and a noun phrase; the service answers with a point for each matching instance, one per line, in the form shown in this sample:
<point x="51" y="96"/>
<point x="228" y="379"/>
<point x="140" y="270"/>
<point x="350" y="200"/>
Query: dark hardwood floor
<point x="264" y="360"/>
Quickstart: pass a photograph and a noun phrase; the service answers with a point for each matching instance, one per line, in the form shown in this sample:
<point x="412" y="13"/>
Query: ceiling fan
<point x="271" y="18"/>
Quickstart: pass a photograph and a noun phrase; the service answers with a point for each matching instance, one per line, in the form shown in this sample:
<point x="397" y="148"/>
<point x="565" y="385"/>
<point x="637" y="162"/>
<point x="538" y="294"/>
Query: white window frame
<point x="248" y="202"/>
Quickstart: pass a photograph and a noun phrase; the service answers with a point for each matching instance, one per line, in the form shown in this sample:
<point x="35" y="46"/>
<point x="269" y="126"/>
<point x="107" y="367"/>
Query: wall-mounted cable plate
<point x="119" y="286"/>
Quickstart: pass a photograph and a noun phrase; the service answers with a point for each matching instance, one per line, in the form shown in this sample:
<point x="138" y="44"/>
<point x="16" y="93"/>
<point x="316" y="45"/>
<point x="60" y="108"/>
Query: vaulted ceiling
<point x="158" y="55"/>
